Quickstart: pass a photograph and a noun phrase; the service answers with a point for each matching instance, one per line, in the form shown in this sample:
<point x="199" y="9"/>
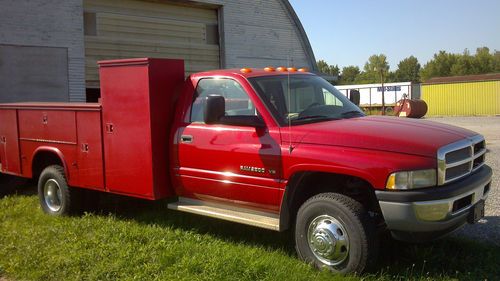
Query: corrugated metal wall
<point x="130" y="28"/>
<point x="208" y="34"/>
<point x="462" y="99"/>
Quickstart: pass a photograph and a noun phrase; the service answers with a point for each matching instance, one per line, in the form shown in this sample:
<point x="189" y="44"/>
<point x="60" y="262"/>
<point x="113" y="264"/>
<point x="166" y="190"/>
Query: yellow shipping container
<point x="461" y="98"/>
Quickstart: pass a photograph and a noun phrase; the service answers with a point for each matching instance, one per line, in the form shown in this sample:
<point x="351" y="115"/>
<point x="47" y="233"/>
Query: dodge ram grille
<point x="460" y="158"/>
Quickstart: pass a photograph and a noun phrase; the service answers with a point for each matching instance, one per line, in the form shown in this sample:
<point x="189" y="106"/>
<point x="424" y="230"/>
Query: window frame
<point x="269" y="107"/>
<point x="196" y="95"/>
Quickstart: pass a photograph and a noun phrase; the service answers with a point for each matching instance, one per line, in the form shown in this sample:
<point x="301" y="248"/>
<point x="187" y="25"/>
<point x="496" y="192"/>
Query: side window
<point x="304" y="96"/>
<point x="331" y="99"/>
<point x="237" y="100"/>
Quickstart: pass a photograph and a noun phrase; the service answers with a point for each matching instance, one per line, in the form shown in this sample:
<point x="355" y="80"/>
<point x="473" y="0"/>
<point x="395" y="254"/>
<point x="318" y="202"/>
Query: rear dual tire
<point x="334" y="231"/>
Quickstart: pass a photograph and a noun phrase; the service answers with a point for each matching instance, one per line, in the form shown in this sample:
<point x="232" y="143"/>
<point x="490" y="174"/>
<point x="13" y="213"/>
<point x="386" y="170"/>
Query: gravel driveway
<point x="488" y="228"/>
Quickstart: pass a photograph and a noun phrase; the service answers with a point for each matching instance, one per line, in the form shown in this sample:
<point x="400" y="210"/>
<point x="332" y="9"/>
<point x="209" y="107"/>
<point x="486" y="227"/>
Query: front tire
<point x="54" y="193"/>
<point x="334" y="231"/>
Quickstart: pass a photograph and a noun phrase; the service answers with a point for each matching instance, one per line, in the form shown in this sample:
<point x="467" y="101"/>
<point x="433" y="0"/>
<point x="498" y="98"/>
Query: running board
<point x="229" y="213"/>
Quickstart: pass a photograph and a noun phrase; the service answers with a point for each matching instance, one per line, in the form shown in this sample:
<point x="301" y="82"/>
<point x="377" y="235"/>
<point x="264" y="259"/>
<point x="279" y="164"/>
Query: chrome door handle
<point x="186" y="139"/>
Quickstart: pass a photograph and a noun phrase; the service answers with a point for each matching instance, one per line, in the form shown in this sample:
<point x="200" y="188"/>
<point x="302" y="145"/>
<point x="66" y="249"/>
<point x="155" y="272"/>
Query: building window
<point x="212" y="35"/>
<point x="89" y="24"/>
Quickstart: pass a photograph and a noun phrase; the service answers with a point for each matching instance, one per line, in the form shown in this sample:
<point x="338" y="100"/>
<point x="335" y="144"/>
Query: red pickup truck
<point x="273" y="148"/>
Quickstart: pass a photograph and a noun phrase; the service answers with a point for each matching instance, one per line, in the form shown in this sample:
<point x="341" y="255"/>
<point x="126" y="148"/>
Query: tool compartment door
<point x="51" y="127"/>
<point x="89" y="156"/>
<point x="48" y="125"/>
<point x="9" y="142"/>
<point x="126" y="126"/>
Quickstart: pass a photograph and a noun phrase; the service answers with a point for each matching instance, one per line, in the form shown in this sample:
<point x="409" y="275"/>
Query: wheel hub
<point x="52" y="195"/>
<point x="328" y="240"/>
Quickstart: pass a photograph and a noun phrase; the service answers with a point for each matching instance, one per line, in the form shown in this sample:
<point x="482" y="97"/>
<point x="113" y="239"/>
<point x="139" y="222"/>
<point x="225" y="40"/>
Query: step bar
<point x="227" y="212"/>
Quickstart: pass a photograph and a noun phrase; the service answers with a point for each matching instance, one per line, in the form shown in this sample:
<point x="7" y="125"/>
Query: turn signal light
<point x="246" y="70"/>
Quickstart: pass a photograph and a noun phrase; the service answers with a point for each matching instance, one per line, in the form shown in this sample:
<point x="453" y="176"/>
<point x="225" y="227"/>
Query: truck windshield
<point x="301" y="99"/>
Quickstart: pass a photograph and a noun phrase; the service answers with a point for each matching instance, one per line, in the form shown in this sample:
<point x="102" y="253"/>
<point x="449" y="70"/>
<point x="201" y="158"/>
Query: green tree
<point x="446" y="64"/>
<point x="378" y="65"/>
<point x="465" y="65"/>
<point x="408" y="70"/>
<point x="324" y="67"/>
<point x="349" y="74"/>
<point x="496" y="61"/>
<point x="366" y="78"/>
<point x="391" y="77"/>
<point x="335" y="70"/>
<point x="440" y="65"/>
<point x="483" y="61"/>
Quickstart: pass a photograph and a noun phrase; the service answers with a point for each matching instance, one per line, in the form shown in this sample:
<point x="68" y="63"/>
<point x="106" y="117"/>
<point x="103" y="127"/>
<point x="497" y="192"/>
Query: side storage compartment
<point x="64" y="134"/>
<point x="90" y="154"/>
<point x="47" y="130"/>
<point x="138" y="97"/>
<point x="10" y="162"/>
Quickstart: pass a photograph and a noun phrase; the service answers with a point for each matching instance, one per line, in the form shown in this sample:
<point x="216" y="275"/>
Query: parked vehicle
<point x="371" y="94"/>
<point x="274" y="148"/>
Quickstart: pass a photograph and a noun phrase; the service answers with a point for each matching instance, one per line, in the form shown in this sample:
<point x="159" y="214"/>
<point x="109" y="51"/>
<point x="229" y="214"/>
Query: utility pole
<point x="383" y="90"/>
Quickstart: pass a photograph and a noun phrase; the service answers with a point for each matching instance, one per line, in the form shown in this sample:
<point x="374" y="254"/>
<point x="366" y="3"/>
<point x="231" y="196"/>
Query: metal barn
<point x="49" y="48"/>
<point x="473" y="95"/>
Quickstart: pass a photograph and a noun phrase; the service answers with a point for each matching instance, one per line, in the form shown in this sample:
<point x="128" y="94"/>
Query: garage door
<point x="117" y="29"/>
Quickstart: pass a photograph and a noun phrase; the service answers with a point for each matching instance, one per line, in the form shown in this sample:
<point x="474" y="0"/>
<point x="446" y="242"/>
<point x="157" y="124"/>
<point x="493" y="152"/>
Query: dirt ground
<point x="489" y="228"/>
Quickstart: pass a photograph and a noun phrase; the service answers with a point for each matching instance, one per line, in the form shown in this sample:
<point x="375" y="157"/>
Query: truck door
<point x="9" y="142"/>
<point x="227" y="163"/>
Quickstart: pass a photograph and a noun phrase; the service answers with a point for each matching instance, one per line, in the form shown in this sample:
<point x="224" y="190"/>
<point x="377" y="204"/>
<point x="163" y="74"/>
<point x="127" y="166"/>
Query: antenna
<point x="290" y="147"/>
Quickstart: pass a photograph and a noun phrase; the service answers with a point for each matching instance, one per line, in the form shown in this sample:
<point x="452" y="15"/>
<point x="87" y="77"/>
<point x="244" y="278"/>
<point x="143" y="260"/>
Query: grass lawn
<point x="129" y="239"/>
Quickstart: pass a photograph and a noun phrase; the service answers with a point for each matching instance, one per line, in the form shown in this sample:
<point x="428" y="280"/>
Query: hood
<point x="401" y="135"/>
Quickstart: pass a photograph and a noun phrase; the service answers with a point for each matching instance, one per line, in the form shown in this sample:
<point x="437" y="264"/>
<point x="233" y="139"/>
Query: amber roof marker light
<point x="281" y="68"/>
<point x="269" y="69"/>
<point x="245" y="70"/>
<point x="303" y="69"/>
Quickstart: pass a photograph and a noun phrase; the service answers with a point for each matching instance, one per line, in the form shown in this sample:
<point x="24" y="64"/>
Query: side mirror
<point x="354" y="97"/>
<point x="215" y="108"/>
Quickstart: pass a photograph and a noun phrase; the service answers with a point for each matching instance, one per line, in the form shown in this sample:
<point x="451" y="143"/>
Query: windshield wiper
<point x="352" y="113"/>
<point x="313" y="118"/>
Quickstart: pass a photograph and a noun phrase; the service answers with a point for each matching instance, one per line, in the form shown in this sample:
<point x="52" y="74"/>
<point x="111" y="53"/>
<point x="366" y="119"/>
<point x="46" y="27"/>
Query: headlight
<point x="411" y="179"/>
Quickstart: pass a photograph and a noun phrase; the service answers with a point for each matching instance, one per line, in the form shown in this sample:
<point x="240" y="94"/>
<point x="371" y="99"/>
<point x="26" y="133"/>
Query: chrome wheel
<point x="328" y="240"/>
<point x="52" y="195"/>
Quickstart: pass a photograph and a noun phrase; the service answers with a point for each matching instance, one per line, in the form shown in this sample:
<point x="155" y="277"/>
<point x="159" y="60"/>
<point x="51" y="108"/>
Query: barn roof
<point x="466" y="78"/>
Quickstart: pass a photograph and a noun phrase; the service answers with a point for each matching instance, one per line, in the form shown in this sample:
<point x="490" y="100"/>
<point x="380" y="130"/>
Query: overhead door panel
<point x="117" y="29"/>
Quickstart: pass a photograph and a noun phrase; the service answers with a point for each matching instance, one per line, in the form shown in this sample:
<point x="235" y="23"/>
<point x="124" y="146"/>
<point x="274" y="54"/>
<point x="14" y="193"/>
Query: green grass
<point x="135" y="240"/>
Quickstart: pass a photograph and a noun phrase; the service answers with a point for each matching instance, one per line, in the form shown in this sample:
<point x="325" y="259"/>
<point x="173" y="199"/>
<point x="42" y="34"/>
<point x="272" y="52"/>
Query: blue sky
<point x="348" y="32"/>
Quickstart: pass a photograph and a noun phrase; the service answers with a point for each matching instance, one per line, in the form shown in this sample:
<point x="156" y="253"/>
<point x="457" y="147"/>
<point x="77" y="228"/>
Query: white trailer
<point x="371" y="94"/>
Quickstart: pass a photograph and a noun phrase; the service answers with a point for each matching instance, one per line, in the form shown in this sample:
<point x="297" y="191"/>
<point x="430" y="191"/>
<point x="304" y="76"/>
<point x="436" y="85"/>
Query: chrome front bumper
<point x="437" y="209"/>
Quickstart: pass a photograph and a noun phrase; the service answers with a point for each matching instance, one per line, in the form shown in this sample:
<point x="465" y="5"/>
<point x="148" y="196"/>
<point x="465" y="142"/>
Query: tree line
<point x="443" y="64"/>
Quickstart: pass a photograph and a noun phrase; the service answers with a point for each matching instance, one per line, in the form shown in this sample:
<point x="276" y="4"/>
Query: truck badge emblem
<point x="253" y="169"/>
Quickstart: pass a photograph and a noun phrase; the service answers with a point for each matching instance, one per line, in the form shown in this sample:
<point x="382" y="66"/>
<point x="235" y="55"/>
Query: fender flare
<point x="285" y="209"/>
<point x="330" y="169"/>
<point x="52" y="150"/>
